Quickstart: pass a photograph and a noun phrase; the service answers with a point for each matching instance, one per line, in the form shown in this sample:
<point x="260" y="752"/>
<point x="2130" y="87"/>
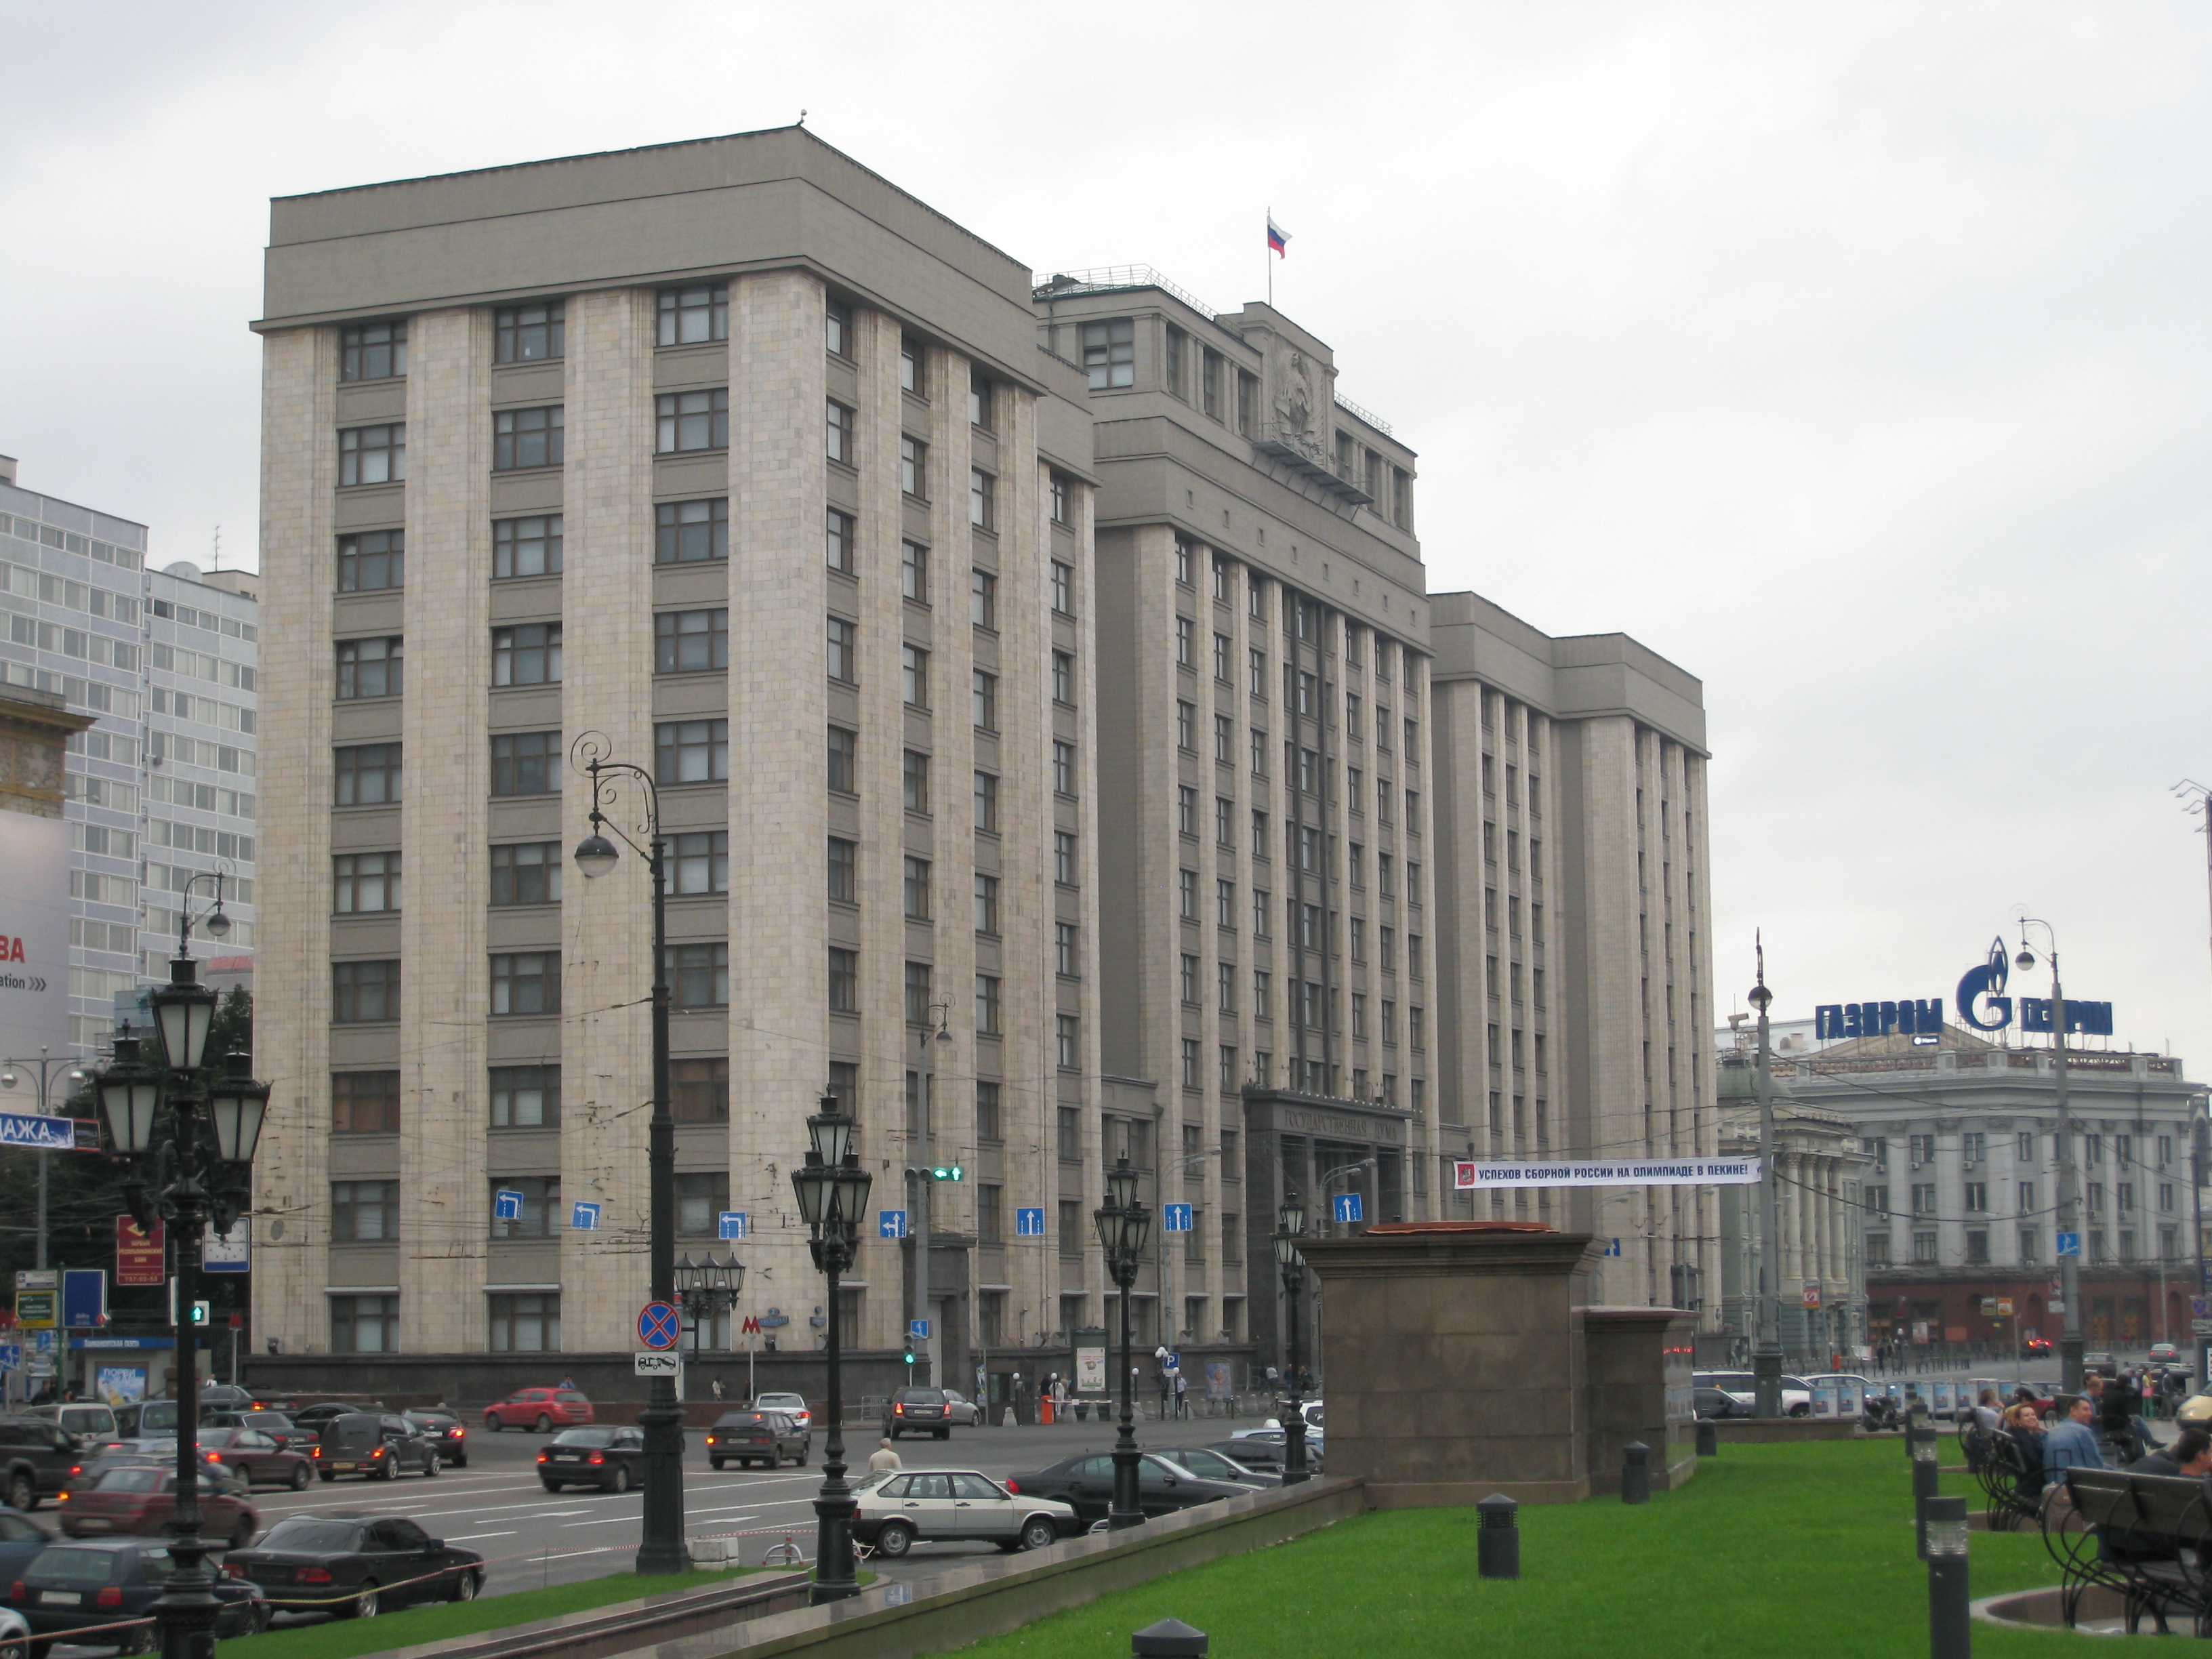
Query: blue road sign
<point x="918" y="1329"/>
<point x="2070" y="1244"/>
<point x="1175" y="1217"/>
<point x="506" y="1205"/>
<point x="891" y="1223"/>
<point x="11" y="1356"/>
<point x="659" y="1325"/>
<point x="734" y="1224"/>
<point x="1029" y="1224"/>
<point x="1612" y="1248"/>
<point x="585" y="1218"/>
<point x="1348" y="1207"/>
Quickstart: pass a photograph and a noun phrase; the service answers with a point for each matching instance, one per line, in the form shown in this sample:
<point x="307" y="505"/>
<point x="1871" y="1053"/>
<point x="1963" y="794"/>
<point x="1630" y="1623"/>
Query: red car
<point x="141" y="1501"/>
<point x="256" y="1458"/>
<point x="538" y="1410"/>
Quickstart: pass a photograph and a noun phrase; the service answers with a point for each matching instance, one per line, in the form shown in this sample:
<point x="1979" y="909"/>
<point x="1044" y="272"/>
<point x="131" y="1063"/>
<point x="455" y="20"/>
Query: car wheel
<point x="944" y="1434"/>
<point x="493" y="1426"/>
<point x="387" y="1470"/>
<point x="257" y="1621"/>
<point x="328" y="1474"/>
<point x="466" y="1585"/>
<point x="544" y="1426"/>
<point x="22" y="1491"/>
<point x="139" y="1640"/>
<point x="895" y="1539"/>
<point x="242" y="1534"/>
<point x="1801" y="1410"/>
<point x="368" y="1604"/>
<point x="430" y="1467"/>
<point x="301" y="1474"/>
<point x="715" y="1462"/>
<point x="806" y="1452"/>
<point x="621" y="1481"/>
<point x="1039" y="1533"/>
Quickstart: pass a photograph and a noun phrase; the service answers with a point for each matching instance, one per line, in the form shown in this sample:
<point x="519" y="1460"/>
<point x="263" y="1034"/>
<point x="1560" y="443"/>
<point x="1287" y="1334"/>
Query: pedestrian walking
<point x="883" y="1457"/>
<point x="1181" y="1394"/>
<point x="1164" y="1396"/>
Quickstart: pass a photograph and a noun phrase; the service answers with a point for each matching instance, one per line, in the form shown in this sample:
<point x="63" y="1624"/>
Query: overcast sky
<point x="1853" y="357"/>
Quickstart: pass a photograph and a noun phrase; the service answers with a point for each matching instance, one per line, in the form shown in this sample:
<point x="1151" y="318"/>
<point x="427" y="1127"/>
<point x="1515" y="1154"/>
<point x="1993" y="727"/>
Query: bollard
<point x="1950" y="1615"/>
<point x="1497" y="1539"/>
<point x="1169" y="1639"/>
<point x="1709" y="1438"/>
<point x="1636" y="1473"/>
<point x="1926" y="1469"/>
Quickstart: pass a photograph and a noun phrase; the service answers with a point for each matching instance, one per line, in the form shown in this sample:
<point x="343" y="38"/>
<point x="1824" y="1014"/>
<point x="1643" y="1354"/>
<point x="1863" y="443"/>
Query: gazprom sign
<point x="1980" y="1002"/>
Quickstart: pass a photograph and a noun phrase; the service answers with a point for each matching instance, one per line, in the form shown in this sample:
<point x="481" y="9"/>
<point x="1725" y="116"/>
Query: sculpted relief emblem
<point x="1296" y="397"/>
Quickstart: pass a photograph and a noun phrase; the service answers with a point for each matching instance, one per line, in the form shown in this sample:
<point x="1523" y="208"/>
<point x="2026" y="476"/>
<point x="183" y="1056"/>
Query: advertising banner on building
<point x="1091" y="1380"/>
<point x="1671" y="1172"/>
<point x="34" y="919"/>
<point x="140" y="1258"/>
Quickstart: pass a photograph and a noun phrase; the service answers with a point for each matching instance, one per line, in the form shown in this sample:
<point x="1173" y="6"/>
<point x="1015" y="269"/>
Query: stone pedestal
<point x="1637" y="1386"/>
<point x="1453" y="1356"/>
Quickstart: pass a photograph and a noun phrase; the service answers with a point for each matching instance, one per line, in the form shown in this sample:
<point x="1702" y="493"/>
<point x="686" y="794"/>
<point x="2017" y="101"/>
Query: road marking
<point x="733" y="1517"/>
<point x="471" y="1537"/>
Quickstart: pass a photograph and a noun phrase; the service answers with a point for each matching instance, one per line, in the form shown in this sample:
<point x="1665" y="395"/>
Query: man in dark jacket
<point x="2189" y="1455"/>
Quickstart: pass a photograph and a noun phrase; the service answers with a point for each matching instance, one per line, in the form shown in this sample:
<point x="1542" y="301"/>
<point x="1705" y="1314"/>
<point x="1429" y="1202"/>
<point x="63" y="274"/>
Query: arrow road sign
<point x="1175" y="1217"/>
<point x="506" y="1205"/>
<point x="659" y="1325"/>
<point x="1029" y="1224"/>
<point x="733" y="1224"/>
<point x="891" y="1223"/>
<point x="585" y="1218"/>
<point x="1348" y="1207"/>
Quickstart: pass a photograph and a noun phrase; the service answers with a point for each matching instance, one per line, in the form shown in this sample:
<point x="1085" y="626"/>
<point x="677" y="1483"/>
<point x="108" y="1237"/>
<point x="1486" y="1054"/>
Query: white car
<point x="794" y="1405"/>
<point x="15" y="1635"/>
<point x="930" y="1506"/>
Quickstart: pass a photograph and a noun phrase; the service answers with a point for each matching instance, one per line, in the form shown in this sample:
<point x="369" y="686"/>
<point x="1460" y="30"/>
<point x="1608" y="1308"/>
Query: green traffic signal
<point x="946" y="1172"/>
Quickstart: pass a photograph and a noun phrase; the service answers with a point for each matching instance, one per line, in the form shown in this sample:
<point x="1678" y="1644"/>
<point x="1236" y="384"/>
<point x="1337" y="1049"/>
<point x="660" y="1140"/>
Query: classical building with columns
<point x="848" y="529"/>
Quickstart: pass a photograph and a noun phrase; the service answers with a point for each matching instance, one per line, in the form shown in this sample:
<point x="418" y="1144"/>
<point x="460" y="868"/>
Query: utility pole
<point x="1767" y="1357"/>
<point x="2070" y="1170"/>
<point x="2196" y="799"/>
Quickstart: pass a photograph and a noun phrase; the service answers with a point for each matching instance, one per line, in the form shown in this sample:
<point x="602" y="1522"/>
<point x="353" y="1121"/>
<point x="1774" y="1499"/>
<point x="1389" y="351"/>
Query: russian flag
<point x="1277" y="238"/>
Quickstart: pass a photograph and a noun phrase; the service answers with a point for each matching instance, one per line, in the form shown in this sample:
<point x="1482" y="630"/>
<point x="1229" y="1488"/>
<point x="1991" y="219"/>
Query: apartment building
<point x="161" y="786"/>
<point x="736" y="456"/>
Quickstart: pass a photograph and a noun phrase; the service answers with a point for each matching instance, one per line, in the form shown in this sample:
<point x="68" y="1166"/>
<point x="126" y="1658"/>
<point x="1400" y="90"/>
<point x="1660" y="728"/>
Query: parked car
<point x="1210" y="1465"/>
<point x="1797" y="1393"/>
<point x="355" y="1566"/>
<point x="1085" y="1483"/>
<point x="15" y="1635"/>
<point x="793" y="1404"/>
<point x="918" y="1411"/>
<point x="608" y="1457"/>
<point x="375" y="1445"/>
<point x="86" y="1472"/>
<point x="539" y="1410"/>
<point x="2036" y="1347"/>
<point x="313" y="1417"/>
<point x="1855" y="1393"/>
<point x="1315" y="1434"/>
<point x="275" y="1424"/>
<point x="1718" y="1402"/>
<point x="142" y="1500"/>
<point x="761" y="1436"/>
<point x="20" y="1538"/>
<point x="258" y="1459"/>
<point x="35" y="1458"/>
<point x="964" y="1413"/>
<point x="85" y="1421"/>
<point x="2165" y="1353"/>
<point x="73" y="1587"/>
<point x="151" y="1418"/>
<point x="1262" y="1455"/>
<point x="940" y="1505"/>
<point x="225" y="1396"/>
<point x="450" y="1434"/>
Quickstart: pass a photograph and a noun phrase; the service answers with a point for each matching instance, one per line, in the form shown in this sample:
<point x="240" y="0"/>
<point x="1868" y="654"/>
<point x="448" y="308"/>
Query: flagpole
<point x="1271" y="262"/>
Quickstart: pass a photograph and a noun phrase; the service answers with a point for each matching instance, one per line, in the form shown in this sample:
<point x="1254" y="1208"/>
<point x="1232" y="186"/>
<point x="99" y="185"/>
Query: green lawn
<point x="1770" y="1550"/>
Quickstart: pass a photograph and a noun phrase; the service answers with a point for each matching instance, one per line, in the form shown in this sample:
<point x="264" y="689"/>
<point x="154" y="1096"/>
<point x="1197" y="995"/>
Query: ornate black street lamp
<point x="708" y="1289"/>
<point x="196" y="1170"/>
<point x="1290" y="1228"/>
<point x="1123" y="1225"/>
<point x="661" y="1548"/>
<point x="832" y="1189"/>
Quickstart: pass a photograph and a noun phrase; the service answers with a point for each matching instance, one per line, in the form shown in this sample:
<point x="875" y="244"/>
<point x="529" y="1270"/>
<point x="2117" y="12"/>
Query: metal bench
<point x="2010" y="1493"/>
<point x="2142" y="1536"/>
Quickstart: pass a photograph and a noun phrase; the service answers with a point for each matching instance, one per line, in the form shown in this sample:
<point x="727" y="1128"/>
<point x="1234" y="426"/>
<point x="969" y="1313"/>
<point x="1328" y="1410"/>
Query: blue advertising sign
<point x="1175" y="1217"/>
<point x="1029" y="1224"/>
<point x="506" y="1205"/>
<point x="585" y="1218"/>
<point x="1348" y="1207"/>
<point x="891" y="1223"/>
<point x="1980" y="1002"/>
<point x="733" y="1224"/>
<point x="54" y="1134"/>
<point x="84" y="1297"/>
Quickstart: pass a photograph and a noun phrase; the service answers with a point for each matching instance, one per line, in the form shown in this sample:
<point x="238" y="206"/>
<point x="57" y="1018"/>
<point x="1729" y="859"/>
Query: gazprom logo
<point x="1982" y="1005"/>
<point x="1985" y="984"/>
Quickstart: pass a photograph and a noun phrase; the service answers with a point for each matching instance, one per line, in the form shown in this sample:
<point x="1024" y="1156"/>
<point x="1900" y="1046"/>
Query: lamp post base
<point x="662" y="1550"/>
<point x="1767" y="1376"/>
<point x="835" y="1575"/>
<point x="184" y="1616"/>
<point x="2070" y="1350"/>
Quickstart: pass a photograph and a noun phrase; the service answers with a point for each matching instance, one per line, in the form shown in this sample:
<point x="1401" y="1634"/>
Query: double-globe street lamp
<point x="661" y="1547"/>
<point x="1290" y="1230"/>
<point x="708" y="1290"/>
<point x="196" y="1169"/>
<point x="832" y="1190"/>
<point x="1124" y="1224"/>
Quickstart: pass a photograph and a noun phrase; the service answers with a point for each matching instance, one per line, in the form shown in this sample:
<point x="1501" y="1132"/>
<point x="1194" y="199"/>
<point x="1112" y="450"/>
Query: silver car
<point x="931" y="1506"/>
<point x="962" y="1410"/>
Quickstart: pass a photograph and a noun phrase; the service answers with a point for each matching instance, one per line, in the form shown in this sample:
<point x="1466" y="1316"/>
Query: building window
<point x="1110" y="353"/>
<point x="1063" y="768"/>
<point x="840" y="433"/>
<point x="1058" y="495"/>
<point x="526" y="872"/>
<point x="1877" y="1249"/>
<point x="1978" y="1249"/>
<point x="914" y="781"/>
<point x="987" y="905"/>
<point x="1063" y="678"/>
<point x="844" y="861"/>
<point x="1224" y="986"/>
<point x="1211" y="365"/>
<point x="1186" y="726"/>
<point x="364" y="993"/>
<point x="527" y="547"/>
<point x="692" y="420"/>
<point x="1924" y="1248"/>
<point x="372" y="560"/>
<point x="685" y="533"/>
<point x="913" y="676"/>
<point x="364" y="1103"/>
<point x="914" y="467"/>
<point x="525" y="1096"/>
<point x="1185" y="642"/>
<point x="522" y="438"/>
<point x="1063" y="588"/>
<point x="370" y="668"/>
<point x="844" y="651"/>
<point x="525" y="763"/>
<point x="1186" y="808"/>
<point x="1189" y="979"/>
<point x="364" y="1324"/>
<point x="986" y="1005"/>
<point x="837" y="326"/>
<point x="983" y="708"/>
<point x="1224" y="739"/>
<point x="838" y="530"/>
<point x="695" y="315"/>
<point x="367" y="774"/>
<point x="1187" y="894"/>
<point x="1248" y="397"/>
<point x="372" y="351"/>
<point x="982" y="499"/>
<point x="540" y="1216"/>
<point x="1224" y="902"/>
<point x="917" y="889"/>
<point x="700" y="975"/>
<point x="526" y="654"/>
<point x="1193" y="1072"/>
<point x="1063" y="857"/>
<point x="530" y="333"/>
<point x="525" y="1321"/>
<point x="701" y="1198"/>
<point x="912" y="377"/>
<point x="700" y="1090"/>
<point x="917" y="995"/>
<point x="365" y="882"/>
<point x="691" y="641"/>
<point x="979" y="402"/>
<point x="1066" y="961"/>
<point x="1067" y="1048"/>
<point x="914" y="572"/>
<point x="691" y="752"/>
<point x="844" y="981"/>
<point x="364" y="1212"/>
<point x="526" y="982"/>
<point x="843" y="755"/>
<point x="990" y="1229"/>
<point x="987" y="803"/>
<point x="983" y="599"/>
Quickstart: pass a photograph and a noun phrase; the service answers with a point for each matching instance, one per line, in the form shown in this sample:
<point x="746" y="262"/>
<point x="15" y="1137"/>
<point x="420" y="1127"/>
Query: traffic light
<point x="199" y="1313"/>
<point x="945" y="1172"/>
<point x="909" y="1351"/>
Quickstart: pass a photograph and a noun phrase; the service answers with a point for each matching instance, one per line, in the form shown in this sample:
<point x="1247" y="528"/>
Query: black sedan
<point x="1085" y="1482"/>
<point x="446" y="1432"/>
<point x="70" y="1588"/>
<point x="275" y="1424"/>
<point x="766" y="1437"/>
<point x="355" y="1566"/>
<point x="604" y="1455"/>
